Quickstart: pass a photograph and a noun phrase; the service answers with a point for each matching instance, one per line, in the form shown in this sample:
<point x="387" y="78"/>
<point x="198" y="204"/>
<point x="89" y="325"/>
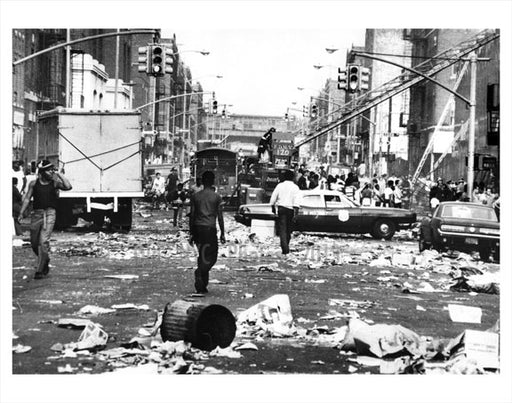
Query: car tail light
<point x="454" y="228"/>
<point x="490" y="231"/>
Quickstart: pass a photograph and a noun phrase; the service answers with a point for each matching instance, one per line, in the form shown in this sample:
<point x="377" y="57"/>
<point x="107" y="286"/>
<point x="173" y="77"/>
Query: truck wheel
<point x="383" y="229"/>
<point x="122" y="220"/>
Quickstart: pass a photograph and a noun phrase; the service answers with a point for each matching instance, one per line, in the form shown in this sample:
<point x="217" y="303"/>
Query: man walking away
<point x="286" y="196"/>
<point x="205" y="209"/>
<point x="16" y="206"/>
<point x="44" y="191"/>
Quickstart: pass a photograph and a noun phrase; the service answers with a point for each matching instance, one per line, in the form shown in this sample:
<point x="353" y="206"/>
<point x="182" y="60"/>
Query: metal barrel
<point x="204" y="326"/>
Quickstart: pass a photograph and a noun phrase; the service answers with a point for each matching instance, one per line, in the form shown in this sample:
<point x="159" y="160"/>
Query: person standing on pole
<point x="44" y="192"/>
<point x="285" y="199"/>
<point x="205" y="210"/>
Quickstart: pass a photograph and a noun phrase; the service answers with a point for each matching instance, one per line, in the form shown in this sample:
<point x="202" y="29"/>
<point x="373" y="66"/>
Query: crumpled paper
<point x="382" y="340"/>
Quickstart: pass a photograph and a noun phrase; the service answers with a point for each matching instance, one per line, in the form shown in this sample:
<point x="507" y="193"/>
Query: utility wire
<point x="411" y="57"/>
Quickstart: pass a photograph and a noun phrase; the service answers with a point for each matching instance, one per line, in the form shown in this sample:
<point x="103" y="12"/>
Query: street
<point x="329" y="281"/>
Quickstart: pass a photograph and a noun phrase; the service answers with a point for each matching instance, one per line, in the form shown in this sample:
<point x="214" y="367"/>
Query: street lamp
<point x="330" y="50"/>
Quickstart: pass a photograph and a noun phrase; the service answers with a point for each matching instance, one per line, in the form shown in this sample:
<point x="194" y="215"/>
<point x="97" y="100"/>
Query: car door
<point x="311" y="214"/>
<point x="342" y="215"/>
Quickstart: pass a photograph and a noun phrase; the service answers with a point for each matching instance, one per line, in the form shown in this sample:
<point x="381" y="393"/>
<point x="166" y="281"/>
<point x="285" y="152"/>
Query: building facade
<point x="428" y="101"/>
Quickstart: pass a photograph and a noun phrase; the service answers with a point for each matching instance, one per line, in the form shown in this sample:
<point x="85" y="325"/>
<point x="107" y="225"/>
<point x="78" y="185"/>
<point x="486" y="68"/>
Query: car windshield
<point x="469" y="212"/>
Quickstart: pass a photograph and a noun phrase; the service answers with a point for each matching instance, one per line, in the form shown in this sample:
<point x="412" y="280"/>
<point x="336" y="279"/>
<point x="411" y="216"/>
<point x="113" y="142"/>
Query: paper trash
<point x="481" y="347"/>
<point x="276" y="309"/>
<point x="92" y="336"/>
<point x="465" y="314"/>
<point x="382" y="340"/>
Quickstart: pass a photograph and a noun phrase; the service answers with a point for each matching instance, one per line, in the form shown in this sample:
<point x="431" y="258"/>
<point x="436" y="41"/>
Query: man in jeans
<point x="286" y="196"/>
<point x="205" y="210"/>
<point x="44" y="191"/>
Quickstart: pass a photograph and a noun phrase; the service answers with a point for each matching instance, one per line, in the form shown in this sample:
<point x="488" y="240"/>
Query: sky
<point x="262" y="68"/>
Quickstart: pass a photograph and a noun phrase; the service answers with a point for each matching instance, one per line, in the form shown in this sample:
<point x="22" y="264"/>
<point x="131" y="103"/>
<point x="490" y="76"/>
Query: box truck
<point x="100" y="152"/>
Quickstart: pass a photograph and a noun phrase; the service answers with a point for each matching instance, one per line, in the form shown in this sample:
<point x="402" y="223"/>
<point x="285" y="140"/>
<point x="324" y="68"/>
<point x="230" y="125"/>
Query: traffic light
<point x="353" y="78"/>
<point x="314" y="111"/>
<point x="342" y="79"/>
<point x="157" y="62"/>
<point x="364" y="78"/>
<point x="143" y="59"/>
<point x="214" y="106"/>
<point x="223" y="114"/>
<point x="286" y="116"/>
<point x="169" y="60"/>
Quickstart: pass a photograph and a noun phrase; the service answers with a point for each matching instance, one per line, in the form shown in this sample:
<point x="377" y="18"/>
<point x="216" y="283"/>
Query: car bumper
<point x="466" y="241"/>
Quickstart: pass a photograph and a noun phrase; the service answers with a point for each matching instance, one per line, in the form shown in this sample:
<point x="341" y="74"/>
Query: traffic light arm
<point x="89" y="38"/>
<point x="172" y="97"/>
<point x="362" y="54"/>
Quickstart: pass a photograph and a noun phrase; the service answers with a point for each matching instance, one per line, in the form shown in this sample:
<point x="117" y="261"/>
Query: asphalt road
<point x="156" y="253"/>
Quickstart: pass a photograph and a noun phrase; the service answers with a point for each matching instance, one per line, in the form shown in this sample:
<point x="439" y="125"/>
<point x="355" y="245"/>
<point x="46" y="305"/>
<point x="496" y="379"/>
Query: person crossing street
<point x="44" y="192"/>
<point x="285" y="199"/>
<point x="205" y="210"/>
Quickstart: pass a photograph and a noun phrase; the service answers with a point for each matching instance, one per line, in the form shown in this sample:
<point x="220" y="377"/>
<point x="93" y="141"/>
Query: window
<point x="335" y="201"/>
<point x="470" y="212"/>
<point x="314" y="201"/>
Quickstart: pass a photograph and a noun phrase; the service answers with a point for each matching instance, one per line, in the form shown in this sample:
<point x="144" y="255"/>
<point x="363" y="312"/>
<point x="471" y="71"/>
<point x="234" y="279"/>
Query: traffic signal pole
<point x="472" y="118"/>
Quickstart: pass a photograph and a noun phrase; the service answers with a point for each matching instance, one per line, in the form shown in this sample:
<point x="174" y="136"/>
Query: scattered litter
<point x="225" y="352"/>
<point x="17" y="242"/>
<point x="142" y="307"/>
<point x="465" y="314"/>
<point x="49" y="301"/>
<point x="68" y="369"/>
<point x="20" y="349"/>
<point x="145" y="215"/>
<point x="247" y="296"/>
<point x="480" y="347"/>
<point x="318" y="362"/>
<point x="123" y="276"/>
<point x="381" y="340"/>
<point x="94" y="310"/>
<point x="319" y="281"/>
<point x="73" y="323"/>
<point x="275" y="309"/>
<point x="420" y="308"/>
<point x="247" y="346"/>
<point x="92" y="336"/>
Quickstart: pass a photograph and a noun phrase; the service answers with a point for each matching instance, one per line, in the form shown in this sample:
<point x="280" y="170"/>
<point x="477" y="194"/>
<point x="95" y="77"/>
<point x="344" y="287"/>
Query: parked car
<point x="461" y="226"/>
<point x="331" y="211"/>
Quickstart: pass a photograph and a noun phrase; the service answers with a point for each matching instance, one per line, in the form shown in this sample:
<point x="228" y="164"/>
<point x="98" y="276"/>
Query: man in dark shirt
<point x="205" y="209"/>
<point x="44" y="192"/>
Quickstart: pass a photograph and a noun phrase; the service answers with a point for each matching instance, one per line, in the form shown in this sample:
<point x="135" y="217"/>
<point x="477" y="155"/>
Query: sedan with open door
<point x="332" y="211"/>
<point x="462" y="226"/>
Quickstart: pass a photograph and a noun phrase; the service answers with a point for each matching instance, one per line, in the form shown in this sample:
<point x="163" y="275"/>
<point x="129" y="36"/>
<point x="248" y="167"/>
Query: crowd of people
<point x="458" y="191"/>
<point x="376" y="192"/>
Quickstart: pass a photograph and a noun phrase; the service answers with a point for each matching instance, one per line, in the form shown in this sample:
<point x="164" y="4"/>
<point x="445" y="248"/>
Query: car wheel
<point x="484" y="254"/>
<point x="383" y="229"/>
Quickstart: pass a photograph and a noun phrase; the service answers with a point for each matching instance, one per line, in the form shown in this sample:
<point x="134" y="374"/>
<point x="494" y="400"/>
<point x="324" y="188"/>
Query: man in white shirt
<point x="286" y="196"/>
<point x="18" y="172"/>
<point x="158" y="189"/>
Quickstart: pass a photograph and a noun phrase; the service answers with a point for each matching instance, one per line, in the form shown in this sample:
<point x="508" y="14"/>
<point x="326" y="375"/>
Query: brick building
<point x="428" y="101"/>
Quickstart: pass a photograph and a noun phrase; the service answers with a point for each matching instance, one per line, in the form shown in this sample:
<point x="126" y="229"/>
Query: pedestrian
<point x="285" y="201"/>
<point x="389" y="194"/>
<point x="178" y="199"/>
<point x="349" y="187"/>
<point x="18" y="172"/>
<point x="301" y="182"/>
<point x="436" y="194"/>
<point x="459" y="189"/>
<point x="16" y="206"/>
<point x="172" y="180"/>
<point x="366" y="195"/>
<point x="377" y="196"/>
<point x="44" y="194"/>
<point x="205" y="210"/>
<point x="313" y="180"/>
<point x="158" y="190"/>
<point x="397" y="193"/>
